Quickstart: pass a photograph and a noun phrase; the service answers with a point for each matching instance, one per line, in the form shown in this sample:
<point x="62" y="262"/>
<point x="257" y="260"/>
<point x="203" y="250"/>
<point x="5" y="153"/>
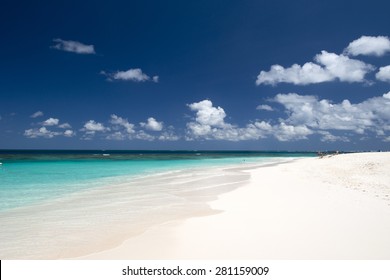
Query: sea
<point x="61" y="204"/>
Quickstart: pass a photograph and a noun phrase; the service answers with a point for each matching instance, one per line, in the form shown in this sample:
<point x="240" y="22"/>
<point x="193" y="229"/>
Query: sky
<point x="195" y="75"/>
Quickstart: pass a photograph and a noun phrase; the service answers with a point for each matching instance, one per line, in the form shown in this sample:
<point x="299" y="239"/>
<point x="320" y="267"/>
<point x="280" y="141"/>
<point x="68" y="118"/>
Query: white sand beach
<point x="331" y="208"/>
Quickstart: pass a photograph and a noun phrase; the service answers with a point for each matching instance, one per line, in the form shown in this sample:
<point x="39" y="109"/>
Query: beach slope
<point x="336" y="207"/>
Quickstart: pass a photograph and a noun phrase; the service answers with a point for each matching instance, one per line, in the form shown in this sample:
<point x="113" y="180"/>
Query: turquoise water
<point x="65" y="204"/>
<point x="28" y="177"/>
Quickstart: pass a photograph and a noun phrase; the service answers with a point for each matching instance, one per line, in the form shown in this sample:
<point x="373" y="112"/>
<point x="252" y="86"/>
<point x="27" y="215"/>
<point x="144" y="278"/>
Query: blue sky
<point x="251" y="75"/>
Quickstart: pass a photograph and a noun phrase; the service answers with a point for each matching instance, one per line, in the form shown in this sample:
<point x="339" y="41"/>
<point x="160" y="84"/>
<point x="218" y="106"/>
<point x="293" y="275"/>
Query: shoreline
<point x="100" y="218"/>
<point x="331" y="208"/>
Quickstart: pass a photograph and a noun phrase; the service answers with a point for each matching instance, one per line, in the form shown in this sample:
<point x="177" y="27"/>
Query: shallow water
<point x="71" y="204"/>
<point x="28" y="177"/>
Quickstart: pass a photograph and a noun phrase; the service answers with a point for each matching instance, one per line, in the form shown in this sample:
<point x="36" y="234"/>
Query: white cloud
<point x="168" y="136"/>
<point x="119" y="128"/>
<point x="45" y="132"/>
<point x="306" y="115"/>
<point x="206" y="114"/>
<point x="369" y="45"/>
<point x="131" y="75"/>
<point x="252" y="131"/>
<point x="37" y="114"/>
<point x="92" y="126"/>
<point x="69" y="133"/>
<point x="134" y="75"/>
<point x="40" y="132"/>
<point x="344" y="68"/>
<point x="209" y="124"/>
<point x="122" y="122"/>
<point x="122" y="129"/>
<point x="197" y="130"/>
<point x="142" y="135"/>
<point x="50" y="122"/>
<point x="118" y="135"/>
<point x="73" y="46"/>
<point x="152" y="124"/>
<point x="65" y="126"/>
<point x="326" y="136"/>
<point x="322" y="115"/>
<point x="264" y="107"/>
<point x="383" y="74"/>
<point x="329" y="68"/>
<point x="309" y="73"/>
<point x="285" y="132"/>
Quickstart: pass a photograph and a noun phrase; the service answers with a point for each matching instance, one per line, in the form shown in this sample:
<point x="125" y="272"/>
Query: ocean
<point x="60" y="204"/>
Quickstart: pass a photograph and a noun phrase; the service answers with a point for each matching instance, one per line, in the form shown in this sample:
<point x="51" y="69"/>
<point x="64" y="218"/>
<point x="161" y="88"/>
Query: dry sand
<point x="331" y="208"/>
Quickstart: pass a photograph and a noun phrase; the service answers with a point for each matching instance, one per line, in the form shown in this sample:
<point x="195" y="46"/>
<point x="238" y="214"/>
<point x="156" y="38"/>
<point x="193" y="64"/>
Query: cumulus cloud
<point x="56" y="129"/>
<point x="207" y="114"/>
<point x="50" y="122"/>
<point x="309" y="73"/>
<point x="383" y="74"/>
<point x="264" y="107"/>
<point x="129" y="127"/>
<point x="209" y="124"/>
<point x="329" y="67"/>
<point x="73" y="46"/>
<point x="134" y="75"/>
<point x="119" y="128"/>
<point x="152" y="124"/>
<point x="323" y="115"/>
<point x="118" y="135"/>
<point x="37" y="114"/>
<point x="306" y="115"/>
<point x="93" y="126"/>
<point x="142" y="135"/>
<point x="326" y="136"/>
<point x="40" y="132"/>
<point x="65" y="126"/>
<point x="168" y="136"/>
<point x="288" y="132"/>
<point x="69" y="133"/>
<point x="369" y="45"/>
<point x="344" y="68"/>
